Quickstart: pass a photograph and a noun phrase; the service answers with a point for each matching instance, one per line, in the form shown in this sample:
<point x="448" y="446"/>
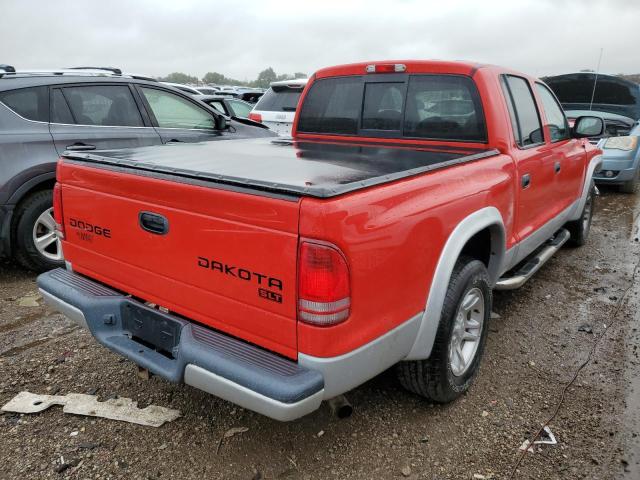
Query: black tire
<point x="632" y="185"/>
<point x="27" y="214"/>
<point x="579" y="229"/>
<point x="433" y="378"/>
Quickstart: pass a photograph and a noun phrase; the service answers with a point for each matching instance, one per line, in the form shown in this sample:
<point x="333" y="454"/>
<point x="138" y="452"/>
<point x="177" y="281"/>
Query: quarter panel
<point x="26" y="151"/>
<point x="392" y="237"/>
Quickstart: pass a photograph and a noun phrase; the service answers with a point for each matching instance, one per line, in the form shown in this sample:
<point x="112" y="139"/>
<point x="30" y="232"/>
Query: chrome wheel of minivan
<point x="45" y="237"/>
<point x="467" y="331"/>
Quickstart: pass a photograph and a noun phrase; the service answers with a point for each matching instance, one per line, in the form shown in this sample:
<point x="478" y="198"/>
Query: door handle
<point x="526" y="180"/>
<point x="80" y="147"/>
<point x="153" y="223"/>
<point x="557" y="167"/>
<point x="174" y="140"/>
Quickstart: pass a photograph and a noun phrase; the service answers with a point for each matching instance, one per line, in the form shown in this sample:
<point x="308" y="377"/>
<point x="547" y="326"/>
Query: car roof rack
<point x="8" y="71"/>
<point x="116" y="71"/>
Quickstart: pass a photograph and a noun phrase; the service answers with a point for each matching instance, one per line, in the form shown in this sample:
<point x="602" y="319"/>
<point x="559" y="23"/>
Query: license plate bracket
<point x="152" y="327"/>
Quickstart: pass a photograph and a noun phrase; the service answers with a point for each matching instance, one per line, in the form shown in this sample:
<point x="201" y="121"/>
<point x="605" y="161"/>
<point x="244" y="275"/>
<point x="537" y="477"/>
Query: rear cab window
<point x="421" y="106"/>
<point x="279" y="99"/>
<point x="31" y="103"/>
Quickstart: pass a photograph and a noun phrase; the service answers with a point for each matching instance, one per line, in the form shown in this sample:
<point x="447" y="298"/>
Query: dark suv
<point x="42" y="114"/>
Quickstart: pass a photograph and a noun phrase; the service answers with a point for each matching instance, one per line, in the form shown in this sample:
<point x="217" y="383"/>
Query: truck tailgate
<point x="226" y="259"/>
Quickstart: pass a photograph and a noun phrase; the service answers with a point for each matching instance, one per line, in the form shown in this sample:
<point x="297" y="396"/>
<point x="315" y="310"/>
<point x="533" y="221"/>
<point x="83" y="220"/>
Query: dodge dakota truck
<point x="278" y="273"/>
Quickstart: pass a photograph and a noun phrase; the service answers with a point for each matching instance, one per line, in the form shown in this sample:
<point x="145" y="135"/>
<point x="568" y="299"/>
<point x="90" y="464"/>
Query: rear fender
<point x="488" y="217"/>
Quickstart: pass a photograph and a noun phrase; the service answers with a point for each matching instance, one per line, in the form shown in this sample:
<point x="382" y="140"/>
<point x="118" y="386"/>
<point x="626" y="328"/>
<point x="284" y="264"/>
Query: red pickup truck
<point x="277" y="273"/>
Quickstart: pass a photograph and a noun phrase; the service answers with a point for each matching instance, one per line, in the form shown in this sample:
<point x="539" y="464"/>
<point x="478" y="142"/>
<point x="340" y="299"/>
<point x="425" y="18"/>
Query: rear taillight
<point x="256" y="117"/>
<point x="57" y="210"/>
<point x="324" y="295"/>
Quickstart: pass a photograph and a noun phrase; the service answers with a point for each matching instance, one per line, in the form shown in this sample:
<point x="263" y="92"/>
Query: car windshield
<point x="279" y="100"/>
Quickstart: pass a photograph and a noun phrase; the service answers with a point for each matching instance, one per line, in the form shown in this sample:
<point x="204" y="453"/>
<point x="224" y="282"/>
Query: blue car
<point x="620" y="149"/>
<point x="621" y="161"/>
<point x="617" y="101"/>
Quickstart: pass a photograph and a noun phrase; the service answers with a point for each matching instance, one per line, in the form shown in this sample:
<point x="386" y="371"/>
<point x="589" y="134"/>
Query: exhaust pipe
<point x="340" y="406"/>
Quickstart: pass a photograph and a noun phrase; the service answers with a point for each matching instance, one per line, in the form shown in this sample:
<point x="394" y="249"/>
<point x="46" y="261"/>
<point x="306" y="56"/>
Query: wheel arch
<point x="39" y="183"/>
<point x="469" y="237"/>
<point x="594" y="163"/>
<point x="43" y="181"/>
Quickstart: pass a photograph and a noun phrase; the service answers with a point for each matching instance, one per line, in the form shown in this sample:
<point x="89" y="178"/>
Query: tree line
<point x="265" y="77"/>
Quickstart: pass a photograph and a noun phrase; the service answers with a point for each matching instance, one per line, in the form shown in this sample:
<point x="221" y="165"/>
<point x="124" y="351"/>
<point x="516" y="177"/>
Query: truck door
<point x="569" y="156"/>
<point x="534" y="159"/>
<point x="97" y="117"/>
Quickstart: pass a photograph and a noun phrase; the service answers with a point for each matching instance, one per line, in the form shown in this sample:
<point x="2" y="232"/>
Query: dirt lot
<point x="534" y="350"/>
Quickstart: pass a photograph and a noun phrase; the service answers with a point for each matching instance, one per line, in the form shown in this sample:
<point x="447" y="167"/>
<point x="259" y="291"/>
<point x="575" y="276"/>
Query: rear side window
<point x="30" y="103"/>
<point x="444" y="107"/>
<point x="517" y="91"/>
<point x="332" y="105"/>
<point x="103" y="105"/>
<point x="279" y="100"/>
<point x="558" y="126"/>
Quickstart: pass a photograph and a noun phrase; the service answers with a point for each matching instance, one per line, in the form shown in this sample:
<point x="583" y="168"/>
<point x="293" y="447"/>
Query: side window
<point x="173" y="111"/>
<point x="529" y="130"/>
<point x="60" y="112"/>
<point x="446" y="107"/>
<point x="103" y="105"/>
<point x="217" y="104"/>
<point x="558" y="125"/>
<point x="31" y="103"/>
<point x="332" y="106"/>
<point x="240" y="109"/>
<point x="382" y="108"/>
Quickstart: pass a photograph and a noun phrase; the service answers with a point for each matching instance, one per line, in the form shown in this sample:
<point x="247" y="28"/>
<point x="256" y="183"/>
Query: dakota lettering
<point x="239" y="272"/>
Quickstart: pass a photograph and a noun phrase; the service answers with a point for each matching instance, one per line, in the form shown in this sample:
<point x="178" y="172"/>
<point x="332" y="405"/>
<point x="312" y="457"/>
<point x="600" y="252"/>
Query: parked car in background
<point x="278" y="273"/>
<point x="230" y="106"/>
<point x="277" y="107"/>
<point x="43" y="114"/>
<point x="617" y="102"/>
<point x="184" y="88"/>
<point x="251" y="95"/>
<point x="207" y="90"/>
<point x="621" y="161"/>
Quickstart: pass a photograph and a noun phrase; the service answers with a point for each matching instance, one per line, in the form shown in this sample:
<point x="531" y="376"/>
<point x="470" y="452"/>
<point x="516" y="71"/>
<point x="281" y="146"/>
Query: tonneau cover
<point x="314" y="169"/>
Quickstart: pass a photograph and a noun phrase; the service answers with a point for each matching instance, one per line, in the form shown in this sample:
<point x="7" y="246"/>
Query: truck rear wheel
<point x="37" y="246"/>
<point x="460" y="340"/>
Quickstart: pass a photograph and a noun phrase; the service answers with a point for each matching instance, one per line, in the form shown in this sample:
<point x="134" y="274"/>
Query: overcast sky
<point x="241" y="38"/>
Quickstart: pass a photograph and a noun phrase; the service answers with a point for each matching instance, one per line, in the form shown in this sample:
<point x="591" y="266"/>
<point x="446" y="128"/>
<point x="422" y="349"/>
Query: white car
<point x="277" y="107"/>
<point x="184" y="88"/>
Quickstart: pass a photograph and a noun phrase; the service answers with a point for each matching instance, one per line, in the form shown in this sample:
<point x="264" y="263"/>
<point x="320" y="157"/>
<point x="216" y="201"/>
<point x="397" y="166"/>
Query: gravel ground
<point x="534" y="349"/>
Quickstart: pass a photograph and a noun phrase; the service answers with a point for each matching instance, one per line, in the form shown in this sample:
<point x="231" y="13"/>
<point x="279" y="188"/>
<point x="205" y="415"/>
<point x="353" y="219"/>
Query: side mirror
<point x="587" y="127"/>
<point x="221" y="122"/>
